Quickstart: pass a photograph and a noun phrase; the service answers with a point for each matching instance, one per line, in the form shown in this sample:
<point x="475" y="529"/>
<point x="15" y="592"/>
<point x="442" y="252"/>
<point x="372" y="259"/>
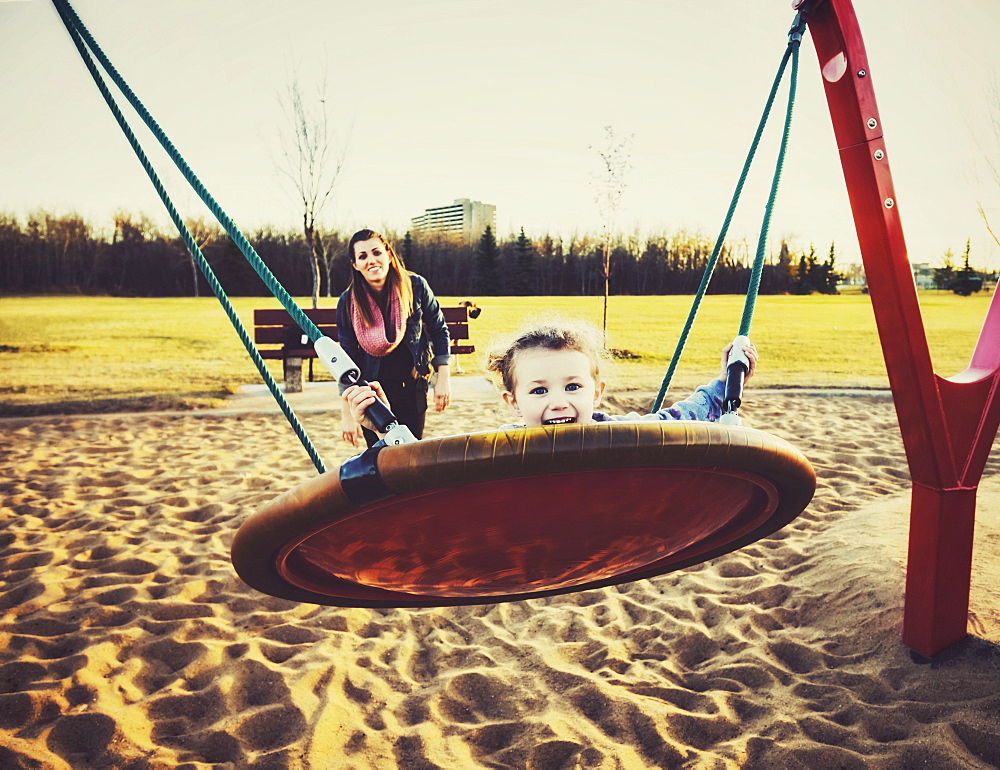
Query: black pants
<point x="408" y="401"/>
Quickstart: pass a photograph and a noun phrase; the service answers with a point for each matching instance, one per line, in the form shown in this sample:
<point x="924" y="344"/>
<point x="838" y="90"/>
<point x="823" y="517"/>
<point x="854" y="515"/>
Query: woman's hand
<point x="350" y="431"/>
<point x="442" y="388"/>
<point x="356" y="401"/>
<point x="749" y="350"/>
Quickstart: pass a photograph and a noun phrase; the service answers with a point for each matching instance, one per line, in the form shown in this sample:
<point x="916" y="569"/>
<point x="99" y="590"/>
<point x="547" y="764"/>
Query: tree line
<point x="46" y="253"/>
<point x="964" y="280"/>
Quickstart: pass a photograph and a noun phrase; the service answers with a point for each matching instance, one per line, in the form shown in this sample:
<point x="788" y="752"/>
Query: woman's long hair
<point x="397" y="281"/>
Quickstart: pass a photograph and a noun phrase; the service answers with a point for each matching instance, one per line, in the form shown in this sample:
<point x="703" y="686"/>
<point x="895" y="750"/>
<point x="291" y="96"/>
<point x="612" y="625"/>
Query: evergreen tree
<point x="547" y="254"/>
<point x="829" y="278"/>
<point x="525" y="266"/>
<point x="786" y="270"/>
<point x="806" y="277"/>
<point x="488" y="264"/>
<point x="408" y="252"/>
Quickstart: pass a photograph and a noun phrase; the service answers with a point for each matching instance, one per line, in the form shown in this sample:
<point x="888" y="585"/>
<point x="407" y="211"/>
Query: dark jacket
<point x="425" y="336"/>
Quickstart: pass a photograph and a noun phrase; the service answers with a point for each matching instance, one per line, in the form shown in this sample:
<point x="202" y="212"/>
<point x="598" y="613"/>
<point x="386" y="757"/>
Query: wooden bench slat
<point x="328" y="315"/>
<point x="455" y="314"/>
<point x="279" y="353"/>
<point x="281" y="317"/>
<point x="280" y="335"/>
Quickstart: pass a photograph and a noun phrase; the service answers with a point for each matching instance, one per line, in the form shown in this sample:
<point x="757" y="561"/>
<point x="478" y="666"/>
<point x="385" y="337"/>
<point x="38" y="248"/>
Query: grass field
<point x="72" y="354"/>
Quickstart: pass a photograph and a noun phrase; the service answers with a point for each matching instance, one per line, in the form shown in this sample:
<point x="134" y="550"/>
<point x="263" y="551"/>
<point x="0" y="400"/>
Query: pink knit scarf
<point x="373" y="339"/>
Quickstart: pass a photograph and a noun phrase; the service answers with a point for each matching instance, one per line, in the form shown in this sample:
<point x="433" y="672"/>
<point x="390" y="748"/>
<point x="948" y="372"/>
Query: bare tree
<point x="993" y="152"/>
<point x="129" y="231"/>
<point x="203" y="232"/>
<point x="609" y="184"/>
<point x="313" y="163"/>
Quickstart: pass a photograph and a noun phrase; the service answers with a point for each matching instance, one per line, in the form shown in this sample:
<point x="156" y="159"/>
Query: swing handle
<point x="386" y="425"/>
<point x="346" y="372"/>
<point x="737" y="367"/>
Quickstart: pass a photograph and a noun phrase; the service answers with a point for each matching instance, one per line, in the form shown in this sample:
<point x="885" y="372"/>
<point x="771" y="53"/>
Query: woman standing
<point x="390" y="323"/>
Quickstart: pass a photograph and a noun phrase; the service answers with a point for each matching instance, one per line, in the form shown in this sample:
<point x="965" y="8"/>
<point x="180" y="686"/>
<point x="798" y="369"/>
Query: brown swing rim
<point x="471" y="461"/>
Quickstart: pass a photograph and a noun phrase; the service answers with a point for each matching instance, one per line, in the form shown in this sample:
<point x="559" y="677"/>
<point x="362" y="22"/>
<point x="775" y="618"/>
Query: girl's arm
<point x="704" y="404"/>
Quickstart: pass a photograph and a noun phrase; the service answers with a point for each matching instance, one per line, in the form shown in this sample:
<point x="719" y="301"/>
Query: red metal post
<point x="948" y="424"/>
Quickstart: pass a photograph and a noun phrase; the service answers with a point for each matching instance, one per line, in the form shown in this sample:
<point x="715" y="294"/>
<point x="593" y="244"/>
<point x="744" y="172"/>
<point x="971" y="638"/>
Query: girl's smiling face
<point x="553" y="387"/>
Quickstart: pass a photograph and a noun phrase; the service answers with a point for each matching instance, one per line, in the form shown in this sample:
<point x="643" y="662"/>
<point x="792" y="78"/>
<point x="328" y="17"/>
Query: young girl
<point x="550" y="375"/>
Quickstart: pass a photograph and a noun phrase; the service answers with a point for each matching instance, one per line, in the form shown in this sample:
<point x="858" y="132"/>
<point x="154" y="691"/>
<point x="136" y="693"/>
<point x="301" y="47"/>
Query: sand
<point x="127" y="640"/>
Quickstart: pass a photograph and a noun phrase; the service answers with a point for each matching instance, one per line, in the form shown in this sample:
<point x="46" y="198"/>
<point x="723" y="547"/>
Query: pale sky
<point x="502" y="103"/>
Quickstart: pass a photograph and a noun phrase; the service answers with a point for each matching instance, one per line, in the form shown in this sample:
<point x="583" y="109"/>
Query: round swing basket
<point x="517" y="514"/>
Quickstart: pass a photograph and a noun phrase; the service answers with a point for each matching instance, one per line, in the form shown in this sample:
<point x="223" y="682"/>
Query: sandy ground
<point x="127" y="640"/>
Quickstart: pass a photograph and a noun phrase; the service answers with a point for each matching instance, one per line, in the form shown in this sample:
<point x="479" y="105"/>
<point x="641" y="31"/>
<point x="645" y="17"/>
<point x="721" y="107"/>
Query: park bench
<point x="278" y="337"/>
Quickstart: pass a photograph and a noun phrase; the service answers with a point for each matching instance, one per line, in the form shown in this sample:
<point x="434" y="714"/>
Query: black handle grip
<point x="379" y="413"/>
<point x="735" y="375"/>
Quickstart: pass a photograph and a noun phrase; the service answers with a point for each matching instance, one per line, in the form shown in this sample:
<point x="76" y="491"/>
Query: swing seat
<point x="516" y="514"/>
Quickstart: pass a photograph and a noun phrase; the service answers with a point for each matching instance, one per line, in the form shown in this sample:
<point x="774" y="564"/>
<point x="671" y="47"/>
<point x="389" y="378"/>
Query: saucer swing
<point x="509" y="514"/>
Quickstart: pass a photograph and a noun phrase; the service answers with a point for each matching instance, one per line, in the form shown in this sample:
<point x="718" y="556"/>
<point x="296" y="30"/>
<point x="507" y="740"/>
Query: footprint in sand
<point x="83" y="740"/>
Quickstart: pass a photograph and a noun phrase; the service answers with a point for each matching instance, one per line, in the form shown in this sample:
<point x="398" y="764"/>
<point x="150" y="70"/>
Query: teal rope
<point x="297" y="314"/>
<point x="758" y="265"/>
<point x="706" y="277"/>
<point x="74" y="27"/>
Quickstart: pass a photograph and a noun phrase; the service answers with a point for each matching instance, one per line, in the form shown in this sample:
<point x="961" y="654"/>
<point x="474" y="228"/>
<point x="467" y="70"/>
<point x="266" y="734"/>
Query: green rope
<point x="82" y="39"/>
<point x="304" y="322"/>
<point x="791" y="52"/>
<point x="758" y="264"/>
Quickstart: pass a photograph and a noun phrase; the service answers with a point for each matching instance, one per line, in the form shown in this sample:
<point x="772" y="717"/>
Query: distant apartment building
<point x="464" y="217"/>
<point x="923" y="275"/>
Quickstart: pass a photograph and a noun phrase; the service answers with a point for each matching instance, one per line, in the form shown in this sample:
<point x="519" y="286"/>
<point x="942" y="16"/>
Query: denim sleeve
<point x="704" y="404"/>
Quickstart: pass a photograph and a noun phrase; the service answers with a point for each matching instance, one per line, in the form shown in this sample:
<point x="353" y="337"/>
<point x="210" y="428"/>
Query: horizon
<point x="520" y="129"/>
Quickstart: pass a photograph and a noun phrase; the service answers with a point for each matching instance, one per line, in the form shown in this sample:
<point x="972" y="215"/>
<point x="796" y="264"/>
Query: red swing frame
<point x="948" y="423"/>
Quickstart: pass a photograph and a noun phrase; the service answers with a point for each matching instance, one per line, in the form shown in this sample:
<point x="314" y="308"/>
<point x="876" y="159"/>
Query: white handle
<point x="737" y="354"/>
<point x="336" y="360"/>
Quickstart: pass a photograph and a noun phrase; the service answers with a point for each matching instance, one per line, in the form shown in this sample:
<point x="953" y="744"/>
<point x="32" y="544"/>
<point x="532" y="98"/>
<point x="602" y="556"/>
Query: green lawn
<point x="71" y="354"/>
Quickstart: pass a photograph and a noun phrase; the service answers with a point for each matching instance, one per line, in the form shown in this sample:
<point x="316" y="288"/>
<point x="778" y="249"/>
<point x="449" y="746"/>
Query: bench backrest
<point x="274" y="326"/>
